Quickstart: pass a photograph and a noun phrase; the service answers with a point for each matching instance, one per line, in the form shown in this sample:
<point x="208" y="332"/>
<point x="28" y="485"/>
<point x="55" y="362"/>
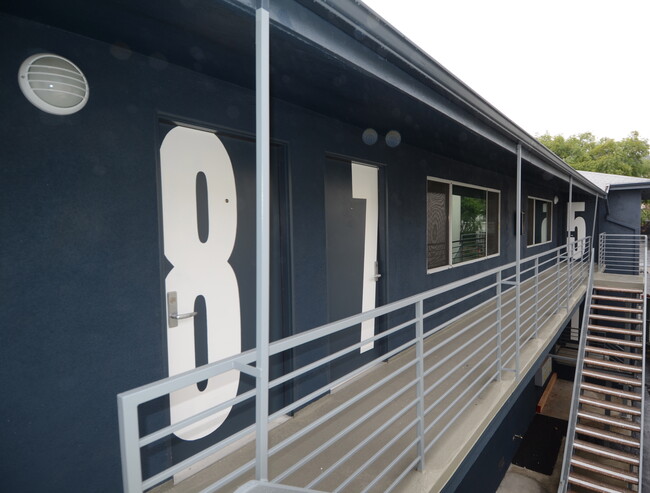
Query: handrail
<point x="561" y="269"/>
<point x="644" y="340"/>
<point x="568" y="446"/>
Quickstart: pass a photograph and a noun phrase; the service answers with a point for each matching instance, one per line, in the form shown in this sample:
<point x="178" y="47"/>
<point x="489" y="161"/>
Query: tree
<point x="629" y="156"/>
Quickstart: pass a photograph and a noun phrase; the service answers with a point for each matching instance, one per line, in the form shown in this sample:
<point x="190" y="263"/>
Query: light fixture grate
<point x="53" y="84"/>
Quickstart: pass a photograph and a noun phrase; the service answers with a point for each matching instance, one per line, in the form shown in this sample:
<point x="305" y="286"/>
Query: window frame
<point x="450" y="184"/>
<point x="532" y="214"/>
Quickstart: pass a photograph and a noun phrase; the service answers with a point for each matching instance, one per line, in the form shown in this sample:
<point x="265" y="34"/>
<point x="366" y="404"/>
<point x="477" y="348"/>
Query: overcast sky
<point x="557" y="66"/>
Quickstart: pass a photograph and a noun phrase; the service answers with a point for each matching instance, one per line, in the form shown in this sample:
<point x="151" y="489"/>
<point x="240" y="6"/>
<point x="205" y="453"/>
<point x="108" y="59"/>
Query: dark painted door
<point x="207" y="197"/>
<point x="354" y="219"/>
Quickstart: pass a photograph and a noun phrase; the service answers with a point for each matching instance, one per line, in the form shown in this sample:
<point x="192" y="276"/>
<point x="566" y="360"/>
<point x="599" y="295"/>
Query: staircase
<point x="604" y="440"/>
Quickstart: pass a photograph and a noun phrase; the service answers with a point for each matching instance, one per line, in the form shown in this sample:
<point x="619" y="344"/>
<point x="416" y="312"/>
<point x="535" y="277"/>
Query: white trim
<point x="532" y="245"/>
<point x="451" y="265"/>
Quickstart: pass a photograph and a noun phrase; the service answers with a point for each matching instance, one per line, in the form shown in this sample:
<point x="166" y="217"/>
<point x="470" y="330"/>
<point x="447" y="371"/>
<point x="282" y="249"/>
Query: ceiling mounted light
<point x="53" y="84"/>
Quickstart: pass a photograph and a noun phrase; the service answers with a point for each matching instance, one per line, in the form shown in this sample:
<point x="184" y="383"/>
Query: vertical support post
<point x="536" y="280"/>
<point x="557" y="281"/>
<point x="419" y="369"/>
<point x="593" y="226"/>
<point x="127" y="414"/>
<point x="518" y="267"/>
<point x="263" y="189"/>
<point x="499" y="327"/>
<point x="570" y="245"/>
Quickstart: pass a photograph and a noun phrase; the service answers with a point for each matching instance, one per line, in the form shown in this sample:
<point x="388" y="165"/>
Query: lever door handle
<point x="181" y="316"/>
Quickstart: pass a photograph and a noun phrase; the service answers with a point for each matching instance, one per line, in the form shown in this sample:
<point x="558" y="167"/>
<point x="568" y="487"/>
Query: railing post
<point x="263" y="189"/>
<point x="569" y="261"/>
<point x="419" y="351"/>
<point x="518" y="267"/>
<point x="499" y="327"/>
<point x="557" y="281"/>
<point x="536" y="296"/>
<point x="129" y="445"/>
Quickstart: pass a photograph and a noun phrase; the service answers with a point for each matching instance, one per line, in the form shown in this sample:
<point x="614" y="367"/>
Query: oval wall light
<point x="53" y="84"/>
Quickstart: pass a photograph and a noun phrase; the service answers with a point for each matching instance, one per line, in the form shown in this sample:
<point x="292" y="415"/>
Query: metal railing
<point x="617" y="254"/>
<point x="622" y="254"/>
<point x="443" y="348"/>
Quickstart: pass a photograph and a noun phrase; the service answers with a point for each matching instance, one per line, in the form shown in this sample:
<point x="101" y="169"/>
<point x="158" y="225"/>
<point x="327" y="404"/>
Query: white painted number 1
<point x="200" y="269"/>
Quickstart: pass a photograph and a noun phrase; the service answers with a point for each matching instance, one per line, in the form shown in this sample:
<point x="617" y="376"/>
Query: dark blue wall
<point x="620" y="213"/>
<point x="80" y="269"/>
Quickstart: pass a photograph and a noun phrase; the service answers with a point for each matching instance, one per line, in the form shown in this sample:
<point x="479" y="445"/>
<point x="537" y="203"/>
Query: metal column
<point x="263" y="189"/>
<point x="569" y="246"/>
<point x="518" y="265"/>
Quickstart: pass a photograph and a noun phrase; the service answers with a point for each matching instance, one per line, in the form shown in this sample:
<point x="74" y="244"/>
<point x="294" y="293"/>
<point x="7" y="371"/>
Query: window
<point x="462" y="223"/>
<point x="540" y="221"/>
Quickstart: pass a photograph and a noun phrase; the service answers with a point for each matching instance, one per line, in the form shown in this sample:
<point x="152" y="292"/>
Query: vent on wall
<point x="53" y="84"/>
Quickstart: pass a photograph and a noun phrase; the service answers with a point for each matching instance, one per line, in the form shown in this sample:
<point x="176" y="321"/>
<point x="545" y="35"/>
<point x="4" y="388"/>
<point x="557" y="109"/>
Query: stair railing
<point x="644" y="273"/>
<point x="571" y="428"/>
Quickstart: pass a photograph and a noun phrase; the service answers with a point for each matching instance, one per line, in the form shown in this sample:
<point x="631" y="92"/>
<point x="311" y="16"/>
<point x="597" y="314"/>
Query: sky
<point x="556" y="66"/>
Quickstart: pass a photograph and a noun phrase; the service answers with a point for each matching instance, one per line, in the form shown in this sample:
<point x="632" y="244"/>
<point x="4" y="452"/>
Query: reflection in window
<point x="540" y="221"/>
<point x="462" y="223"/>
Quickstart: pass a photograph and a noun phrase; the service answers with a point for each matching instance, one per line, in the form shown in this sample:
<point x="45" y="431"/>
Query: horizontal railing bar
<point x="176" y="468"/>
<point x="456" y="400"/>
<point x="456" y="334"/>
<point x="145" y="393"/>
<point x="325" y="388"/>
<point x="459" y="300"/>
<point x="362" y="444"/>
<point x="324" y="446"/>
<point x="228" y="478"/>
<point x="304" y="369"/>
<point x="455" y="385"/>
<point x="378" y="453"/>
<point x="332" y="327"/>
<point x="459" y="365"/>
<point x="406" y="470"/>
<point x="167" y="430"/>
<point x="390" y="466"/>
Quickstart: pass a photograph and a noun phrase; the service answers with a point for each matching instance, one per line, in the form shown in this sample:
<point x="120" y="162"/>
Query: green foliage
<point x="629" y="156"/>
<point x="472" y="214"/>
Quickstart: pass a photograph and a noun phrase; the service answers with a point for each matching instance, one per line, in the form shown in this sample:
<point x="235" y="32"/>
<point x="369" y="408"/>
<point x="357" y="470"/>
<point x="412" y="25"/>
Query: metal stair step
<point x="615" y="330"/>
<point x="613" y="352"/>
<point x="610" y="391"/>
<point x="616" y="309"/>
<point x="613" y="366"/>
<point x="618" y="290"/>
<point x="606" y="452"/>
<point x="622" y="299"/>
<point x="610" y="318"/>
<point x="611" y="377"/>
<point x="608" y="420"/>
<point x="612" y="340"/>
<point x="593" y="484"/>
<point x="607" y="436"/>
<point x="604" y="470"/>
<point x="621" y="408"/>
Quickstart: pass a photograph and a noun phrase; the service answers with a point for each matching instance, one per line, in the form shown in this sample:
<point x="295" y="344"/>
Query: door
<point x="354" y="215"/>
<point x="207" y="197"/>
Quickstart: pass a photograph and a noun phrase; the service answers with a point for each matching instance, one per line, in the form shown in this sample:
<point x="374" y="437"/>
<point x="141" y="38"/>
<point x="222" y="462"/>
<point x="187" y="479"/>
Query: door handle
<point x="172" y="310"/>
<point x="377" y="274"/>
<point x="181" y="316"/>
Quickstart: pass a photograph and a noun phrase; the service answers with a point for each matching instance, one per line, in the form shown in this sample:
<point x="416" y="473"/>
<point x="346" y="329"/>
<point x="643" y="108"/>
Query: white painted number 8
<point x="200" y="269"/>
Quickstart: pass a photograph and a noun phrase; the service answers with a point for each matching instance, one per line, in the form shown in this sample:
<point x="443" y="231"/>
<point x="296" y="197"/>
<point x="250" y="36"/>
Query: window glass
<point x="540" y="218"/>
<point x="462" y="223"/>
<point x="468" y="224"/>
<point x="437" y="217"/>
